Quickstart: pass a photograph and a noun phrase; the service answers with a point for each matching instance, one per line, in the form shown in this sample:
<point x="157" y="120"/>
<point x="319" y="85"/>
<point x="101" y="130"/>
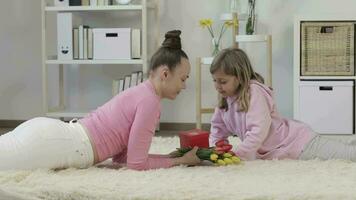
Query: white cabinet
<point x="327" y="106"/>
<point x="324" y="100"/>
<point x="96" y="17"/>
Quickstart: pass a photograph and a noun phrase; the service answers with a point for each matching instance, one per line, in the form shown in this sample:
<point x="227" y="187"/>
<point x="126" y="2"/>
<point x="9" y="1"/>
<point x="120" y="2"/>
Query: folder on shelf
<point x="64" y="36"/>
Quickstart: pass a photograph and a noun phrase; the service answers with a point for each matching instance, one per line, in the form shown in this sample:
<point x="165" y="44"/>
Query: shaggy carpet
<point x="287" y="179"/>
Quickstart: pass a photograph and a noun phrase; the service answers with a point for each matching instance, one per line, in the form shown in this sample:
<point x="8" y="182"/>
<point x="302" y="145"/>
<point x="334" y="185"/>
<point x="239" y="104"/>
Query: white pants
<point x="326" y="148"/>
<point x="46" y="143"/>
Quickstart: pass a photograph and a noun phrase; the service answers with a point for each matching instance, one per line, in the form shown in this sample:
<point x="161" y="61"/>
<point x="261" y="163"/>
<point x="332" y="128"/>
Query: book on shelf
<point x="104" y="2"/>
<point x="75" y="43"/>
<point x="90" y="43"/>
<point x="135" y="43"/>
<point x="93" y="2"/>
<point x="127" y="82"/>
<point x="85" y="43"/>
<point x="85" y="2"/>
<point x="82" y="42"/>
<point x="139" y="77"/>
<point x="75" y="2"/>
<point x="119" y="85"/>
<point x="133" y="81"/>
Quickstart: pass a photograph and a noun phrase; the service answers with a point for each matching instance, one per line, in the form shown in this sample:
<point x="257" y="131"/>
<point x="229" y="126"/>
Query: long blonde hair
<point x="235" y="62"/>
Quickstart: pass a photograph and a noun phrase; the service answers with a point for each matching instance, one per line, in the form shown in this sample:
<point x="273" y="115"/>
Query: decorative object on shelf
<point x="251" y="20"/>
<point x="216" y="39"/>
<point x="123" y="2"/>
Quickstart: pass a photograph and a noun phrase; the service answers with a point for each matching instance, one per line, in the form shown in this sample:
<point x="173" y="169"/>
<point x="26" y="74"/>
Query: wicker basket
<point x="327" y="48"/>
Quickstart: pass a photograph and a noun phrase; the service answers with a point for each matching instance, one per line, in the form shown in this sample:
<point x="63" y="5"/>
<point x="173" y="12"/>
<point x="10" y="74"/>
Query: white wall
<point x="20" y="61"/>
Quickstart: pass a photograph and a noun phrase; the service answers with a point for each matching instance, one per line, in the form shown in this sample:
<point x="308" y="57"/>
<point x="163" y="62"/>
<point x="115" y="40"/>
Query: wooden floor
<point x="4" y="130"/>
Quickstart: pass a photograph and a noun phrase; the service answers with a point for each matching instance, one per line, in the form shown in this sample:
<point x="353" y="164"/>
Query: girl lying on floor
<point x="247" y="109"/>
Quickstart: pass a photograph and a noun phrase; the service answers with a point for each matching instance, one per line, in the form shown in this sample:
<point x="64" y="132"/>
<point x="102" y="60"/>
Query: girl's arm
<point x="218" y="128"/>
<point x="141" y="133"/>
<point x="258" y="122"/>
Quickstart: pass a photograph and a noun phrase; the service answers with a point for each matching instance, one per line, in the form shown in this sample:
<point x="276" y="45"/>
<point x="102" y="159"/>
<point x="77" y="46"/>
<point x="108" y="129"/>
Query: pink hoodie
<point x="263" y="132"/>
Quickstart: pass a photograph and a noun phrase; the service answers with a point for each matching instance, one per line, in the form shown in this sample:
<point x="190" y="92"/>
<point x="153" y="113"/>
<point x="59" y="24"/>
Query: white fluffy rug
<point x="262" y="180"/>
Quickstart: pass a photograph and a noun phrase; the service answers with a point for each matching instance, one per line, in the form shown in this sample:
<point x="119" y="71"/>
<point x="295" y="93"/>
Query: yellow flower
<point x="235" y="159"/>
<point x="227" y="155"/>
<point x="221" y="162"/>
<point x="205" y="22"/>
<point x="228" y="161"/>
<point x="214" y="157"/>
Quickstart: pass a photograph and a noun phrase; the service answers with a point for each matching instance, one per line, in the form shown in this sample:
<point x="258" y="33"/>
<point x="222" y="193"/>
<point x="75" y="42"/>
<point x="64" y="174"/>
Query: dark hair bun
<point x="172" y="40"/>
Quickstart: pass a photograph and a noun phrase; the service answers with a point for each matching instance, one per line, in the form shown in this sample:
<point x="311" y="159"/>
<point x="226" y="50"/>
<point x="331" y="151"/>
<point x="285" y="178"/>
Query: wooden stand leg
<point x="198" y="93"/>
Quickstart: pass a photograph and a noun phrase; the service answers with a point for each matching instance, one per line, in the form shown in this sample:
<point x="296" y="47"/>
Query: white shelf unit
<point x="299" y="80"/>
<point x="61" y="111"/>
<point x="267" y="39"/>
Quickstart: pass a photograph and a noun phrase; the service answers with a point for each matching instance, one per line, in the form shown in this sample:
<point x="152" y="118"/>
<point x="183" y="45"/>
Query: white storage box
<point x="327" y="106"/>
<point x="112" y="43"/>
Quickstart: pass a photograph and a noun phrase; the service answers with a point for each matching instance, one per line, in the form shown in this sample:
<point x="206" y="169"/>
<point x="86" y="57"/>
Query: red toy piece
<point x="195" y="137"/>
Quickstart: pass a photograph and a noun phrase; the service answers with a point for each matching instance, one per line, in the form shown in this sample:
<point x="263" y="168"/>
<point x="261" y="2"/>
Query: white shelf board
<point x="251" y="38"/>
<point x="93" y="8"/>
<point x="347" y="16"/>
<point x="119" y="61"/>
<point x="58" y="114"/>
<point x="327" y="77"/>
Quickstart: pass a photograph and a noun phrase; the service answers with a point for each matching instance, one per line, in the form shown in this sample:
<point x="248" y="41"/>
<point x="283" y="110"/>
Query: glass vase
<point x="215" y="46"/>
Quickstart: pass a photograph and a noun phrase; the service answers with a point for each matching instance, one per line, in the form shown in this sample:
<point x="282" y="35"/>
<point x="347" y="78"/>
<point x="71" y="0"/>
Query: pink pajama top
<point x="124" y="126"/>
<point x="263" y="132"/>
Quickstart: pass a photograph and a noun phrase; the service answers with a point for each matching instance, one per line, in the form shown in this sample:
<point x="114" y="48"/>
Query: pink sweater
<point x="263" y="132"/>
<point x="124" y="126"/>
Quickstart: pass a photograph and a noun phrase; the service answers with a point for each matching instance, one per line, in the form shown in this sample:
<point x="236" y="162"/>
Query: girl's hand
<point x="190" y="158"/>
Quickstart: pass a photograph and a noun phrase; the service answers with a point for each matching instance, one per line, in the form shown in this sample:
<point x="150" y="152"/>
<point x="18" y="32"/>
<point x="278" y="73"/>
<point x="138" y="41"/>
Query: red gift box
<point x="195" y="137"/>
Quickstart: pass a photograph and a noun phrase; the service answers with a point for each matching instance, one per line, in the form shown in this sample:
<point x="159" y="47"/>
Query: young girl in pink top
<point x="121" y="129"/>
<point x="247" y="109"/>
